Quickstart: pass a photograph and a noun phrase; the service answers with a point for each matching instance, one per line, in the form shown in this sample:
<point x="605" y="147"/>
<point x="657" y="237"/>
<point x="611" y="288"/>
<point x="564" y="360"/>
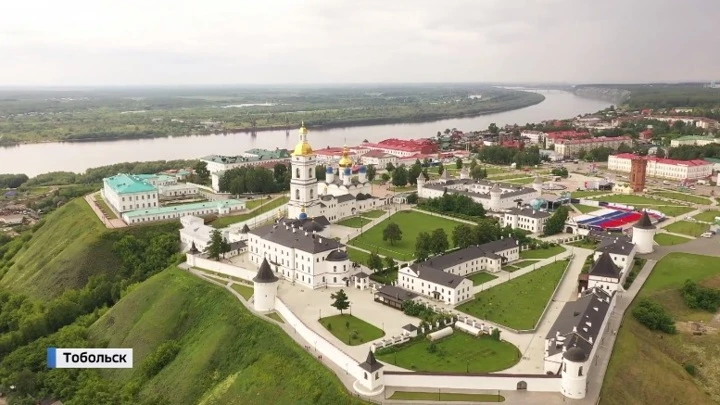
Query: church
<point x="336" y="197"/>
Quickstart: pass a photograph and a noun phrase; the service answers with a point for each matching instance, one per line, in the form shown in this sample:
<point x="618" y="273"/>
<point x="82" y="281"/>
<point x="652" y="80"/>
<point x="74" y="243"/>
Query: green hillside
<point x="227" y="355"/>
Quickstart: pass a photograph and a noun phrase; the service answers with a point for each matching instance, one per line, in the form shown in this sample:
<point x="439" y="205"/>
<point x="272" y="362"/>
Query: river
<point x="33" y="159"/>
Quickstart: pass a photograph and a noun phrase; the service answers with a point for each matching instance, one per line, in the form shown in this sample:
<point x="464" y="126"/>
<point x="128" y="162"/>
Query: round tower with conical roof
<point x="495" y="197"/>
<point x="573" y="375"/>
<point x="266" y="285"/>
<point x="190" y="255"/>
<point x="643" y="234"/>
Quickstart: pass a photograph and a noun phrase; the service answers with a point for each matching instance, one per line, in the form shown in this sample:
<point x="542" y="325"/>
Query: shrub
<point x="653" y="316"/>
<point x="432" y="348"/>
<point x="691" y="369"/>
<point x="163" y="355"/>
<point x="699" y="297"/>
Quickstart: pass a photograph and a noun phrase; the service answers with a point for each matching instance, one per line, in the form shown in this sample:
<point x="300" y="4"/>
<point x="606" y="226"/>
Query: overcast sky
<point x="96" y="42"/>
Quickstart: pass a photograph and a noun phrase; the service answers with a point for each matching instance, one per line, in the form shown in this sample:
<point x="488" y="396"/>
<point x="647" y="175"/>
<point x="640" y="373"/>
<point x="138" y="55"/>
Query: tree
<point x="422" y="246"/>
<point x="556" y="222"/>
<point x="493" y="128"/>
<point x="473" y="163"/>
<point x="320" y="172"/>
<point x="462" y="236"/>
<point x="279" y="172"/>
<point x="414" y="173"/>
<point x="375" y="262"/>
<point x="441" y="169"/>
<point x="459" y="163"/>
<point x="400" y="176"/>
<point x="560" y="171"/>
<point x="392" y="233"/>
<point x="495" y="334"/>
<point x="385" y="177"/>
<point x="478" y="173"/>
<point x="660" y="152"/>
<point x="439" y="241"/>
<point x="412" y="198"/>
<point x="371" y="172"/>
<point x="341" y="302"/>
<point x="390" y="167"/>
<point x="218" y="245"/>
<point x="202" y="172"/>
<point x="390" y="264"/>
<point x="582" y="153"/>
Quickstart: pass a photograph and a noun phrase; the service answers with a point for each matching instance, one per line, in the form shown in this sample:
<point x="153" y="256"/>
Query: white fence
<point x="220" y="267"/>
<point x="322" y="346"/>
<point x="502" y="382"/>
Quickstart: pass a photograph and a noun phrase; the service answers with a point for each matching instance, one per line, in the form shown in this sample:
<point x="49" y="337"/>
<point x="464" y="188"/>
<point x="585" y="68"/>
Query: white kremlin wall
<point x="502" y="382"/>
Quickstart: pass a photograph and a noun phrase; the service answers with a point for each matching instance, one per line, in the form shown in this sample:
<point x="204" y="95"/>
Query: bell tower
<point x="303" y="184"/>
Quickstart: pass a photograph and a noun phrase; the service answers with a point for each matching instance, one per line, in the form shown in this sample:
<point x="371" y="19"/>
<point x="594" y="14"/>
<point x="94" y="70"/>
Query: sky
<point x="190" y="42"/>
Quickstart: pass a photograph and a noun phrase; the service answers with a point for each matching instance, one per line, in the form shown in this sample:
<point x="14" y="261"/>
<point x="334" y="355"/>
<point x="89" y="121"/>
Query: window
<point x="311" y="193"/>
<point x="297" y="173"/>
<point x="310" y="172"/>
<point x="565" y="368"/>
<point x="365" y="375"/>
<point x="580" y="371"/>
<point x="377" y="375"/>
<point x="297" y="194"/>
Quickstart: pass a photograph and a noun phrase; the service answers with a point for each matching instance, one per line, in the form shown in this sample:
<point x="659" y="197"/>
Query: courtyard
<point x="457" y="353"/>
<point x="666" y="239"/>
<point x="351" y="330"/>
<point x="688" y="228"/>
<point x="411" y="223"/>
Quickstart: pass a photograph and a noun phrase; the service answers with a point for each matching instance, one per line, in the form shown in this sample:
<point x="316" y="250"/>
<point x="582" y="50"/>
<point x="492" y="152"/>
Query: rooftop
<point x="579" y="322"/>
<point x="599" y="139"/>
<point x="129" y="183"/>
<point x="528" y="212"/>
<point x="605" y="267"/>
<point x="695" y="162"/>
<point x="214" y="205"/>
<point x="288" y="235"/>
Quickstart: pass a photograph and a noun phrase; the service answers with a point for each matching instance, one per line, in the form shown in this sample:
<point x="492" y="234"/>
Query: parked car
<point x="707" y="235"/>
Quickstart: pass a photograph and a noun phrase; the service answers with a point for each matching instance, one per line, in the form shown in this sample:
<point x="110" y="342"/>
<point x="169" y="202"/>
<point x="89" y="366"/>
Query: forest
<point x="106" y="114"/>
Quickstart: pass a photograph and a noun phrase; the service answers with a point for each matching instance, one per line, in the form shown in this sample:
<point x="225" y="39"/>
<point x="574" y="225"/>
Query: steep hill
<point x="226" y="355"/>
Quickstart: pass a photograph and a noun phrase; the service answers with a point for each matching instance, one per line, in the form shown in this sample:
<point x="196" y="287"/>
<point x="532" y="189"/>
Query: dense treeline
<point x="96" y="174"/>
<point x="669" y="96"/>
<point x="689" y="152"/>
<point x="697" y="296"/>
<point x="251" y="180"/>
<point x="12" y="180"/>
<point x="556" y="222"/>
<point x="451" y="204"/>
<point x="28" y="327"/>
<point x="500" y="155"/>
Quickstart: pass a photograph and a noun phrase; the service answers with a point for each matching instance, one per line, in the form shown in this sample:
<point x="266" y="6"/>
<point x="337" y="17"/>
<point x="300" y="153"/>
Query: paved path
<point x="109" y="223"/>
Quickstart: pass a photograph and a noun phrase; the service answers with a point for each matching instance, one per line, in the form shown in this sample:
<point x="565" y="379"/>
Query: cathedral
<point x="337" y="197"/>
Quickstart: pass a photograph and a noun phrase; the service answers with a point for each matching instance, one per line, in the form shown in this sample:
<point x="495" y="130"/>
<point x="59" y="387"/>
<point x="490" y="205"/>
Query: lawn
<point x="688" y="228"/>
<point x="585" y="208"/>
<point x="358" y="256"/>
<point x="644" y="357"/>
<point x="525" y="180"/>
<point x="104" y="207"/>
<point x="628" y="199"/>
<point x="445" y="396"/>
<point x="354" y="222"/>
<point x="245" y="290"/>
<point x="223" y="222"/>
<point x="351" y="330"/>
<point x="664" y="239"/>
<point x="256" y="202"/>
<point x="373" y="214"/>
<point x="707" y="216"/>
<point x="411" y="223"/>
<point x="517" y="303"/>
<point x="585" y="244"/>
<point x="683" y="197"/>
<point x="588" y="193"/>
<point x="524" y="263"/>
<point x="457" y="353"/>
<point x="508" y="176"/>
<point x="672" y="211"/>
<point x="385" y="276"/>
<point x="542" y="253"/>
<point x="481" y="278"/>
<point x="274" y="316"/>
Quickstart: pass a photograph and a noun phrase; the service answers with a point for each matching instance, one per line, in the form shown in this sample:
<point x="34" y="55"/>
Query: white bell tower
<point x="304" y="199"/>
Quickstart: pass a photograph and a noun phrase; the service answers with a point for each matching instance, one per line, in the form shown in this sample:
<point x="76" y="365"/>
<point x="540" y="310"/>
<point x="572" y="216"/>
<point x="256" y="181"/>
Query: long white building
<point x="127" y="192"/>
<point x="525" y="218"/>
<point x="493" y="196"/>
<point x="663" y="168"/>
<point x="298" y="253"/>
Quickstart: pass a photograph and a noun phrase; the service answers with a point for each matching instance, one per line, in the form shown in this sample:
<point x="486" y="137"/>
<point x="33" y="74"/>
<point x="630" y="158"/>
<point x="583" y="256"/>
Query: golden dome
<point x="303" y="148"/>
<point x="345" y="160"/>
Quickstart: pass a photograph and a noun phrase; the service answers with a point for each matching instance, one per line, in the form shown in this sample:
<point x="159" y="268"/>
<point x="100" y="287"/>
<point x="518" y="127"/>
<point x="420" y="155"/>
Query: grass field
<point x="585" y="208"/>
<point x="526" y="180"/>
<point x="350" y="330"/>
<point x="517" y="303"/>
<point x="445" y="396"/>
<point x="256" y="202"/>
<point x="358" y="256"/>
<point x="245" y="290"/>
<point x="373" y="214"/>
<point x="105" y="208"/>
<point x="585" y="244"/>
<point x="683" y="197"/>
<point x="707" y="216"/>
<point x="664" y="239"/>
<point x="481" y="278"/>
<point x="688" y="228"/>
<point x="542" y="253"/>
<point x="521" y="264"/>
<point x="223" y="222"/>
<point x="642" y="357"/>
<point x="504" y="177"/>
<point x="226" y="356"/>
<point x="411" y="223"/>
<point x="354" y="222"/>
<point x="671" y="211"/>
<point x="629" y="199"/>
<point x="457" y="353"/>
<point x="588" y="193"/>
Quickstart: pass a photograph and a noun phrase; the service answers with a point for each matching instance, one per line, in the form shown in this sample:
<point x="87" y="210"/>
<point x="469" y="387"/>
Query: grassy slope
<point x="228" y="356"/>
<point x="642" y="357"/>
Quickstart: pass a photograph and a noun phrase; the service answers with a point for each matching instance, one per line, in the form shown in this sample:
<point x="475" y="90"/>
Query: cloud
<point x="315" y="41"/>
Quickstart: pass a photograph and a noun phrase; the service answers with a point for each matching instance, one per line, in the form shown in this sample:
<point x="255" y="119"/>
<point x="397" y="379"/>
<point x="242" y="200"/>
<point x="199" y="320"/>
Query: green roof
<point x="155" y="177"/>
<point x="230" y="203"/>
<point x="695" y="138"/>
<point x="260" y="154"/>
<point x="712" y="160"/>
<point x="128" y="184"/>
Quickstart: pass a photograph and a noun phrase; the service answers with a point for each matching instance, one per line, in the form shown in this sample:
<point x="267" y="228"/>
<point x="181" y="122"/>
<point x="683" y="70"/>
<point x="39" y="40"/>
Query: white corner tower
<point x="495" y="197"/>
<point x="537" y="184"/>
<point x="371" y="379"/>
<point x="266" y="285"/>
<point x="303" y="185"/>
<point x="643" y="234"/>
<point x="420" y="183"/>
<point x="573" y="375"/>
<point x="464" y="173"/>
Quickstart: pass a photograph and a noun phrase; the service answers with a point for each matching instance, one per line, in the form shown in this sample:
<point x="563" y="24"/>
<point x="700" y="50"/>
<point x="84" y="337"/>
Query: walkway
<point x="109" y="223"/>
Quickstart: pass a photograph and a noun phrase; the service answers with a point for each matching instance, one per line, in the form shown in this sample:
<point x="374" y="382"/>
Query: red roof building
<point x="403" y="147"/>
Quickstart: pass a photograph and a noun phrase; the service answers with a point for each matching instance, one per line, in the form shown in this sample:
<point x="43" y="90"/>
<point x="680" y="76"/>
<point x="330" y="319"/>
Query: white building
<point x="693" y="141"/>
<point x="179" y="190"/>
<point x="334" y="198"/>
<point x="265" y="286"/>
<point x="127" y="192"/>
<point x="621" y="250"/>
<point x="535" y="137"/>
<point x="222" y="207"/>
<point x="525" y="218"/>
<point x="605" y="274"/>
<point x="643" y="234"/>
<point x="379" y="158"/>
<point x="493" y="196"/>
<point x="571" y="147"/>
<point x="663" y="168"/>
<point x="217" y="165"/>
<point x="298" y="253"/>
<point x="436" y="284"/>
<point x="580" y="325"/>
